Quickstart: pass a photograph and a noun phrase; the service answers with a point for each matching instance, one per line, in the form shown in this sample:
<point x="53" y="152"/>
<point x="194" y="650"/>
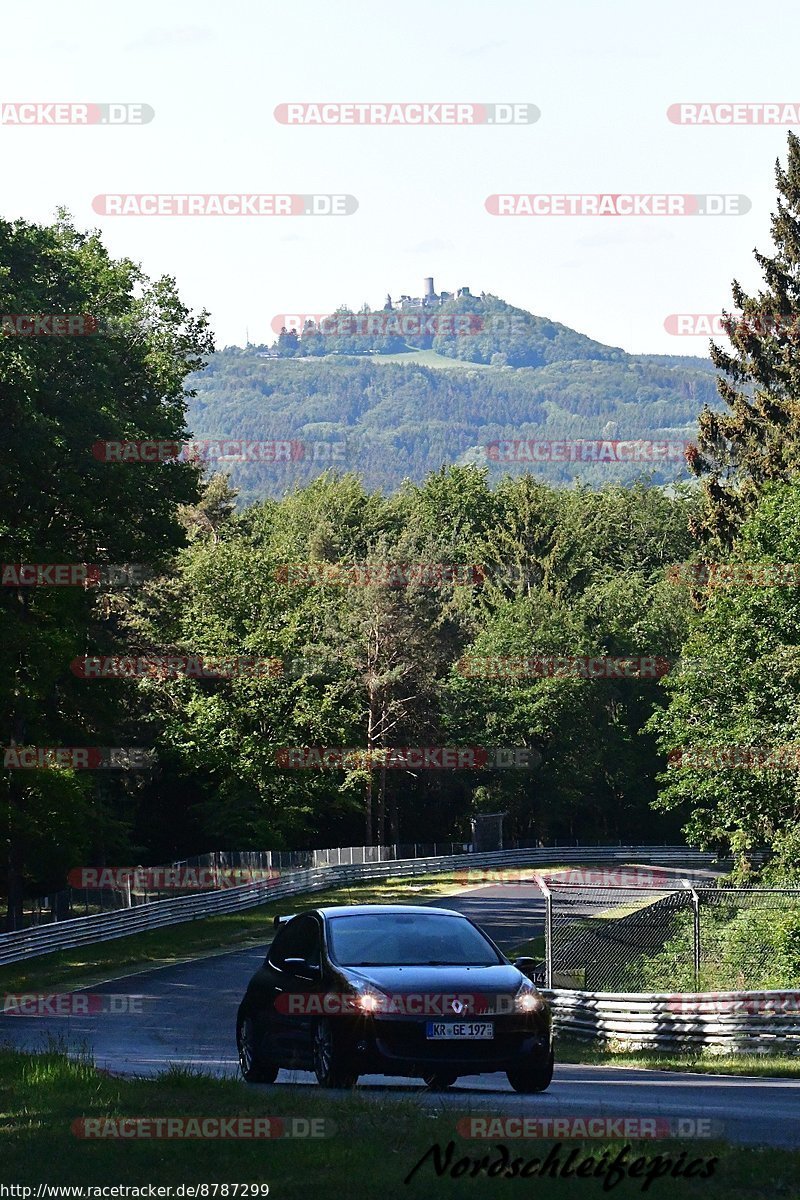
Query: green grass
<point x="375" y="1144"/>
<point x="533" y="948"/>
<point x="87" y="965"/>
<point x="702" y="1062"/>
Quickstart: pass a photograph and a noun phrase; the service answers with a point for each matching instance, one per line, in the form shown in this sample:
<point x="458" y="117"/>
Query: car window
<point x="408" y="939"/>
<point x="299" y="939"/>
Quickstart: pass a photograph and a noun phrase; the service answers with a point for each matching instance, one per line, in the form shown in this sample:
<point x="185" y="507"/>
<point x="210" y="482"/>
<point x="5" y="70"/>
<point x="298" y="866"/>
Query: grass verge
<point x="702" y="1062"/>
<point x="533" y="948"/>
<point x="376" y="1143"/>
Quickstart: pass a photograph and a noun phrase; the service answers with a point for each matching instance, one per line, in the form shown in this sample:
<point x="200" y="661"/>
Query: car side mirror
<point x="526" y="965"/>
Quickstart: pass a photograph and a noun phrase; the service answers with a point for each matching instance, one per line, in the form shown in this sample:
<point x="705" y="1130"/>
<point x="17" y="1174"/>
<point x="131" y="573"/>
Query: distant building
<point x="429" y="299"/>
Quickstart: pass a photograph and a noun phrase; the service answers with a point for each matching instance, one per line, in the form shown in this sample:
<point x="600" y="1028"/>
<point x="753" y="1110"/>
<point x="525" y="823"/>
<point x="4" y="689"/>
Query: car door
<point x="295" y="965"/>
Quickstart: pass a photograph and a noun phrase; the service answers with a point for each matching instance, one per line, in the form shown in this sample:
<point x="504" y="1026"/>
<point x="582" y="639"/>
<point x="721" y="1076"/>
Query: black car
<point x="394" y="990"/>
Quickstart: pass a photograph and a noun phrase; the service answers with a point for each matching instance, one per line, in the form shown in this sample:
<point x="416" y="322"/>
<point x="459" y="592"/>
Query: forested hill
<point x="477" y="329"/>
<point x="391" y="414"/>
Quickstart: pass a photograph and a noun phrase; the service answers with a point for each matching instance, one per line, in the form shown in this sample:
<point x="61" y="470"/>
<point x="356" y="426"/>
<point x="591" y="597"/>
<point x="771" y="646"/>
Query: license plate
<point x="449" y="1031"/>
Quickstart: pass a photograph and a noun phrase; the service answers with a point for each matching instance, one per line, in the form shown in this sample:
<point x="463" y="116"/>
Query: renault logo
<point x="457" y="1006"/>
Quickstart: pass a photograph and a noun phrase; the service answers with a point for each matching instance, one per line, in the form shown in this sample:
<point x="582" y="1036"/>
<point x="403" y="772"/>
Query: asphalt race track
<point x="188" y="1015"/>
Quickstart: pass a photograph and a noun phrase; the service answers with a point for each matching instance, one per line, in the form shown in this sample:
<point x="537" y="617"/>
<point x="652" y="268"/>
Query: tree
<point x="59" y="503"/>
<point x="394" y="642"/>
<point x="757" y="440"/>
<point x="214" y="508"/>
<point x="288" y="342"/>
<point x="737" y="695"/>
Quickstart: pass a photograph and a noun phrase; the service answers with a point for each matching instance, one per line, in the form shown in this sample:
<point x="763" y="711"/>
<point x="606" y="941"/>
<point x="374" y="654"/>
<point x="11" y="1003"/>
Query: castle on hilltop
<point x="429" y="300"/>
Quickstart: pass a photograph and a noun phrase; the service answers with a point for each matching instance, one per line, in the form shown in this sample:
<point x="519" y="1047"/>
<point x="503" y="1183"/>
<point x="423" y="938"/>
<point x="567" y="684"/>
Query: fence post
<point x="548" y="930"/>
<point x="548" y="940"/>
<point x="696" y="913"/>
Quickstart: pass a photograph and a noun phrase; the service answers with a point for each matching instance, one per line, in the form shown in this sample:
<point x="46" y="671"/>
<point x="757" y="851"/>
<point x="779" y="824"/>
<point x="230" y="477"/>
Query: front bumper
<point x="393" y="1046"/>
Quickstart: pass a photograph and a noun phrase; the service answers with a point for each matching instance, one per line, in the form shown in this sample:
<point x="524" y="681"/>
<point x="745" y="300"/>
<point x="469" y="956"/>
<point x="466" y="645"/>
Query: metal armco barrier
<point x="724" y="1022"/>
<point x="104" y="927"/>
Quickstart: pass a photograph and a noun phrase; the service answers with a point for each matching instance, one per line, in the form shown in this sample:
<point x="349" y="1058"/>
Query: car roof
<point x="386" y="910"/>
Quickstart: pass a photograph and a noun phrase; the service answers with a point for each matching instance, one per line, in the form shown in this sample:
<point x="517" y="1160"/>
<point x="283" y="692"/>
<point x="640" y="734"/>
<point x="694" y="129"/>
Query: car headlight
<point x="368" y="1000"/>
<point x="368" y="1003"/>
<point x="528" y="1000"/>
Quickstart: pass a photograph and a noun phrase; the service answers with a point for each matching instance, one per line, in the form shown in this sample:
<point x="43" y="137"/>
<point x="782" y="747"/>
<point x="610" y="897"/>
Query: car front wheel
<point x="254" y="1069"/>
<point x="532" y="1079"/>
<point x="330" y="1067"/>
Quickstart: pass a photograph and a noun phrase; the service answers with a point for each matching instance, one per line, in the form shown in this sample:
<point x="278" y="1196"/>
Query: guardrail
<point x="156" y="914"/>
<point x="725" y="1022"/>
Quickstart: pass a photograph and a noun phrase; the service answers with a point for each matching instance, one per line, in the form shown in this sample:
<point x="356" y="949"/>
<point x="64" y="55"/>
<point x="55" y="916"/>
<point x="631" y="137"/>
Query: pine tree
<point x="758" y="440"/>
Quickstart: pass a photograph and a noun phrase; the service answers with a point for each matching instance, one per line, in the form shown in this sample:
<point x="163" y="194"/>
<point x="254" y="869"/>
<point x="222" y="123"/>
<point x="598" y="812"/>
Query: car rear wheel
<point x="254" y="1069"/>
<point x="532" y="1079"/>
<point x="439" y="1081"/>
<point x="330" y="1068"/>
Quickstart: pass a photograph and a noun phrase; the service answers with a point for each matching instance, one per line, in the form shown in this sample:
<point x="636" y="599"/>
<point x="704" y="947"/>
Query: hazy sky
<point x="603" y="76"/>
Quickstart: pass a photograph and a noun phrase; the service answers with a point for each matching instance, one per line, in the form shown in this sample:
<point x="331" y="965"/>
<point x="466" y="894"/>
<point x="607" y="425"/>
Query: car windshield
<point x="407" y="940"/>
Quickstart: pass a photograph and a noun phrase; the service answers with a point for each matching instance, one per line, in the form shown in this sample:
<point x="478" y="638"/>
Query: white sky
<point x="603" y="76"/>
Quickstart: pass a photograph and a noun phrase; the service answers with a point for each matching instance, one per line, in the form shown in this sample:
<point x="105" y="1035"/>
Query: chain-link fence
<point x="658" y="937"/>
<point x="747" y="938"/>
<point x="601" y="939"/>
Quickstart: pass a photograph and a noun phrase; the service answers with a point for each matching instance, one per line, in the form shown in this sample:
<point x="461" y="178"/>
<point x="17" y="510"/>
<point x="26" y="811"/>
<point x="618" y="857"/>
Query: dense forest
<point x="388" y="421"/>
<point x="591" y="654"/>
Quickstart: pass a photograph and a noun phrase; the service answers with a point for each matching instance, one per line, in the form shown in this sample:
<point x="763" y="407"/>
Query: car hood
<point x="493" y="980"/>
